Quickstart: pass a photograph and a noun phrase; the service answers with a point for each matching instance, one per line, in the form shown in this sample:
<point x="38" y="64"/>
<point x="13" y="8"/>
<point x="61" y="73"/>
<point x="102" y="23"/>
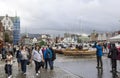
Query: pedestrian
<point x="10" y="48"/>
<point x="99" y="54"/>
<point x="18" y="56"/>
<point x="14" y="49"/>
<point x="43" y="50"/>
<point x="24" y="59"/>
<point x="37" y="56"/>
<point x="113" y="53"/>
<point x="53" y="57"/>
<point x="105" y="47"/>
<point x="8" y="66"/>
<point x="3" y="52"/>
<point x="48" y="58"/>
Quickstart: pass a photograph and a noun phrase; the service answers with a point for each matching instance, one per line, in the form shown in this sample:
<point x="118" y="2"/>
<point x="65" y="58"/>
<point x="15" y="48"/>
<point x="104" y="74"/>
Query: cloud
<point x="58" y="16"/>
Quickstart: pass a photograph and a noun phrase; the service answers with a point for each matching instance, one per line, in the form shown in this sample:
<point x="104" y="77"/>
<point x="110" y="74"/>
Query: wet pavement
<point x="56" y="73"/>
<point x="86" y="67"/>
<point x="66" y="67"/>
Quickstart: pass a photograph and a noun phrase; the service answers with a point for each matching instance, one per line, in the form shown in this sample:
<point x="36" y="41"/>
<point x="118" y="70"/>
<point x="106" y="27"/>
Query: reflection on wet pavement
<point x="100" y="73"/>
<point x="67" y="67"/>
<point x="56" y="73"/>
<point x="85" y="67"/>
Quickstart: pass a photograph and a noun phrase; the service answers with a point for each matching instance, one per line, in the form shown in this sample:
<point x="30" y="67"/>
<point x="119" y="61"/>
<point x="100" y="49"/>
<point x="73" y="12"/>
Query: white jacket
<point x="37" y="56"/>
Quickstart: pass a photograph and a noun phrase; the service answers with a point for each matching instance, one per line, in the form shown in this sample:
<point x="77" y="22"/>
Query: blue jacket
<point x="99" y="51"/>
<point x="46" y="53"/>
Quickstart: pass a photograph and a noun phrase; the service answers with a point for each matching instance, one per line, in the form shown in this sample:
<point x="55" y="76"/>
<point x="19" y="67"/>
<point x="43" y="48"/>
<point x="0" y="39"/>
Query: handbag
<point x="6" y="68"/>
<point x="28" y="62"/>
<point x="109" y="55"/>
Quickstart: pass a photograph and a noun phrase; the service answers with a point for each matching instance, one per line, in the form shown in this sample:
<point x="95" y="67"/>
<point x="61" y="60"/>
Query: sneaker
<point x="24" y="73"/>
<point x="9" y="76"/>
<point x="38" y="71"/>
<point x="36" y="74"/>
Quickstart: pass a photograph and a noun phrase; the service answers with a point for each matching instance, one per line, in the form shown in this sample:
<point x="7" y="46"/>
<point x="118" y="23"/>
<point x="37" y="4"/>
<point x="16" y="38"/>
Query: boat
<point x="79" y="53"/>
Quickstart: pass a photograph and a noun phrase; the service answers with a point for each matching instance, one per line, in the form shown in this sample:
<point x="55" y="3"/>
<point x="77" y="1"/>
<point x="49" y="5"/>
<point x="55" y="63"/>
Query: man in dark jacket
<point x="113" y="53"/>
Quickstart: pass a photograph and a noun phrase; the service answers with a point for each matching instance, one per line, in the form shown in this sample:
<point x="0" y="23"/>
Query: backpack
<point x="48" y="54"/>
<point x="18" y="54"/>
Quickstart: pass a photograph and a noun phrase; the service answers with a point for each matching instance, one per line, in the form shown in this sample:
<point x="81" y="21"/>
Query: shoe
<point x="9" y="76"/>
<point x="38" y="71"/>
<point x="51" y="68"/>
<point x="24" y="73"/>
<point x="36" y="74"/>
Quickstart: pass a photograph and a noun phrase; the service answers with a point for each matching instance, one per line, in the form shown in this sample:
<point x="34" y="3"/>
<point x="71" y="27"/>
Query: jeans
<point x="114" y="64"/>
<point x="24" y="65"/>
<point x="9" y="69"/>
<point x="48" y="60"/>
<point x="99" y="61"/>
<point x="37" y="66"/>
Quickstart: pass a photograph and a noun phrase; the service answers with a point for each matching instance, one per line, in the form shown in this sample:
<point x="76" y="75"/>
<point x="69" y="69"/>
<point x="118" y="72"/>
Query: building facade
<point x="7" y="23"/>
<point x="16" y="30"/>
<point x="1" y="34"/>
<point x="12" y="28"/>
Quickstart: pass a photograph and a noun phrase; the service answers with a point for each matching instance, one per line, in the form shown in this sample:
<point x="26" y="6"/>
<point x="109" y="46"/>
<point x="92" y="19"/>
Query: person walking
<point x="53" y="57"/>
<point x="24" y="59"/>
<point x="3" y="52"/>
<point x="113" y="53"/>
<point x="48" y="58"/>
<point x="18" y="56"/>
<point x="43" y="50"/>
<point x="37" y="56"/>
<point x="8" y="66"/>
<point x="99" y="54"/>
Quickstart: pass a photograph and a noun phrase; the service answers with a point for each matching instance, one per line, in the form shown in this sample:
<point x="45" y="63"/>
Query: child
<point x="8" y="66"/>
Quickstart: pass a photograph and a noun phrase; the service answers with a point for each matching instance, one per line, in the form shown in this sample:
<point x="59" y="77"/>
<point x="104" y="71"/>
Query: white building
<point x="7" y="23"/>
<point x="102" y="37"/>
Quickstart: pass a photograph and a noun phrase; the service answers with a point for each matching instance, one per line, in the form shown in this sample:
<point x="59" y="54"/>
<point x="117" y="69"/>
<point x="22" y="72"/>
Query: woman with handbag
<point x="37" y="56"/>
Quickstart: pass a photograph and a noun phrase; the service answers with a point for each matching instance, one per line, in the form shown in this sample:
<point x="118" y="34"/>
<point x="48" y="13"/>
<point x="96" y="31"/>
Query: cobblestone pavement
<point x="56" y="73"/>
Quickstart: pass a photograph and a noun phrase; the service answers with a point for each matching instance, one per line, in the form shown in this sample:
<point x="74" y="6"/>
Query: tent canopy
<point x="115" y="38"/>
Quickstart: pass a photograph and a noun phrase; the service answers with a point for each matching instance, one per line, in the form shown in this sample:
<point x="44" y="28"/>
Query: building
<point x="93" y="36"/>
<point x="16" y="30"/>
<point x="8" y="27"/>
<point x="7" y="23"/>
<point x="1" y="35"/>
<point x="12" y="28"/>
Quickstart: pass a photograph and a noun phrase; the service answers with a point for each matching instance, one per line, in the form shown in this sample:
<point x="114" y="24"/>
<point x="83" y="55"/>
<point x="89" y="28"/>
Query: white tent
<point x="115" y="38"/>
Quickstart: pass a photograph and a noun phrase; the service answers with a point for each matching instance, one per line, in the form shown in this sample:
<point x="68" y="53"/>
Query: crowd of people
<point x="42" y="56"/>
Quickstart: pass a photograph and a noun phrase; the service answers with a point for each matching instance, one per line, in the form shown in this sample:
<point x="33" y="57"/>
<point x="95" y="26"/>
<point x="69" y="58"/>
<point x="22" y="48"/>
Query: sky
<point x="64" y="16"/>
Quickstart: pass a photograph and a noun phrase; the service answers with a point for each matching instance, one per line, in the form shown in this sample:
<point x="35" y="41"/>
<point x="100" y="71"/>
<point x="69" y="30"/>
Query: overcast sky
<point x="60" y="16"/>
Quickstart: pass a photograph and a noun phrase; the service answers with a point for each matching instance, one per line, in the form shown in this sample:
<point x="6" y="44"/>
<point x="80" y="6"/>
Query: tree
<point x="41" y="43"/>
<point x="7" y="37"/>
